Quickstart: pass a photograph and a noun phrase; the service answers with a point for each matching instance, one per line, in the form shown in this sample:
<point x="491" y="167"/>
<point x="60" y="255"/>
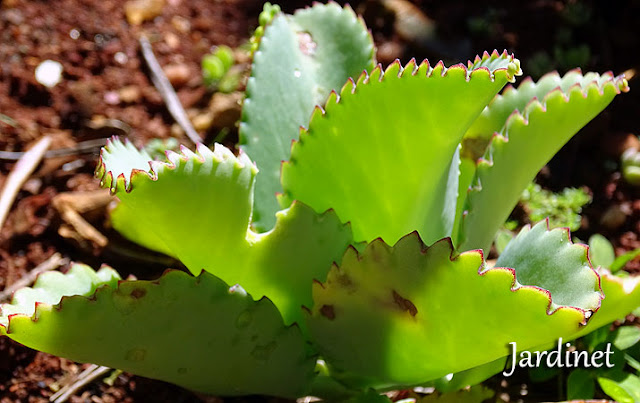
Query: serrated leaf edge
<point x="396" y="71"/>
<point x="618" y="84"/>
<point x="483" y="270"/>
<point x="244" y="120"/>
<point x="34" y="316"/>
<point x="235" y="289"/>
<point x="121" y="183"/>
<point x="586" y="313"/>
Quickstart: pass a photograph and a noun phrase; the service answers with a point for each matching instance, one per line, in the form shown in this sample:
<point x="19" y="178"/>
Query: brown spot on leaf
<point x="346" y="282"/>
<point x="474" y="148"/>
<point x="405" y="304"/>
<point x="328" y="312"/>
<point x="138" y="293"/>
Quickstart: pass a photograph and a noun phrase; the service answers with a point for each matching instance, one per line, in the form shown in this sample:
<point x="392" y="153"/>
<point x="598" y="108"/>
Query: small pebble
<point x="202" y="122"/>
<point x="181" y="24"/>
<point x="33" y="185"/>
<point x="615" y="216"/>
<point x="172" y="40"/>
<point x="129" y="94"/>
<point x="111" y="98"/>
<point x="178" y="74"/>
<point x="139" y="11"/>
<point x="14" y="17"/>
<point x="49" y="73"/>
<point x="120" y="58"/>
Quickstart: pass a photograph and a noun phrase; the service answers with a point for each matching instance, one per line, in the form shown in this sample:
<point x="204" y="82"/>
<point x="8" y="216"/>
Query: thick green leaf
<point x="300" y="59"/>
<point x="382" y="152"/>
<point x="601" y="251"/>
<point x="283" y="263"/>
<point x="414" y="314"/>
<point x="192" y="331"/>
<point x="190" y="204"/>
<point x="469" y="377"/>
<point x="622" y="295"/>
<point x="495" y="115"/>
<point x="51" y="286"/>
<point x="625" y="388"/>
<point x="197" y="208"/>
<point x="626" y="337"/>
<point x="623" y="259"/>
<point x="527" y="139"/>
<point x="580" y="385"/>
<point x="548" y="259"/>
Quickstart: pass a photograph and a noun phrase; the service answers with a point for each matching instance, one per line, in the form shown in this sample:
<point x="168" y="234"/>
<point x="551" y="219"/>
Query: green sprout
<point x="563" y="209"/>
<point x="217" y="72"/>
<point x="269" y="11"/>
<point x="631" y="166"/>
<point x="156" y="148"/>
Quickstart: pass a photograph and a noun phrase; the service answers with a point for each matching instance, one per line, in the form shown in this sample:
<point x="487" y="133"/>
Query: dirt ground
<point x="106" y="90"/>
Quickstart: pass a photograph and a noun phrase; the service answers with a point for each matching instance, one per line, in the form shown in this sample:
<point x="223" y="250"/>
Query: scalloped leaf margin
<point x="300" y="59"/>
<point x="392" y="169"/>
<point x="197" y="208"/>
<point x="528" y="140"/>
<point x="196" y="332"/>
<point x="415" y="313"/>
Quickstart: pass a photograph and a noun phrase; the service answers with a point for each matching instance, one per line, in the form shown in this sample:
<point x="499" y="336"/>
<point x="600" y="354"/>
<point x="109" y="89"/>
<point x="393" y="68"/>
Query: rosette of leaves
<point x="372" y="276"/>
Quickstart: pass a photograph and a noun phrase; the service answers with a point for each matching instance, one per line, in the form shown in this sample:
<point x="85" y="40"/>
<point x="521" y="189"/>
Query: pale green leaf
<point x="526" y="140"/>
<point x="382" y="153"/>
<point x="624" y="389"/>
<point x="192" y="331"/>
<point x="548" y="259"/>
<point x="197" y="208"/>
<point x="300" y="59"/>
<point x="50" y="287"/>
<point x="601" y="251"/>
<point x="623" y="259"/>
<point x="414" y="314"/>
<point x="622" y="295"/>
<point x="626" y="336"/>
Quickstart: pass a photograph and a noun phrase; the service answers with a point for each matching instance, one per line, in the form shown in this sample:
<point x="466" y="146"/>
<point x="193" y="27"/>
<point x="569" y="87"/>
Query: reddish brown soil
<point x="100" y="55"/>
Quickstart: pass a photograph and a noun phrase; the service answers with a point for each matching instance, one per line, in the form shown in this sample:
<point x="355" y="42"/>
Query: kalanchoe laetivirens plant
<point x="359" y="268"/>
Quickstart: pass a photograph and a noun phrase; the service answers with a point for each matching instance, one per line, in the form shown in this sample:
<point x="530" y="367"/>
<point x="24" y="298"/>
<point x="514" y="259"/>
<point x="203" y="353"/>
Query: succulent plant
<point x="371" y="276"/>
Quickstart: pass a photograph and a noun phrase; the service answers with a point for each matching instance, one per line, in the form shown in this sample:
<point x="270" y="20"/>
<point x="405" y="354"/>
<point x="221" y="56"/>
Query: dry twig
<point x="19" y="174"/>
<point x="162" y="84"/>
<point x="84" y="147"/>
<point x="55" y="261"/>
<point x="87" y="376"/>
<point x="71" y="205"/>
